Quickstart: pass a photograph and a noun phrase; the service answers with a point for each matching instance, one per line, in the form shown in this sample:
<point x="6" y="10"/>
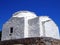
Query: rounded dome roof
<point x="26" y="14"/>
<point x="44" y="18"/>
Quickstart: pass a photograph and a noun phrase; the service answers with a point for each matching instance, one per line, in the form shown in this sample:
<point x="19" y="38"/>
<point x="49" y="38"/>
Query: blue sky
<point x="50" y="8"/>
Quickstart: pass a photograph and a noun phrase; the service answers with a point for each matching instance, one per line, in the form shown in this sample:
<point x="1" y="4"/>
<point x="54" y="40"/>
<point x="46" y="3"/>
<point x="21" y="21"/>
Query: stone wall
<point x="32" y="41"/>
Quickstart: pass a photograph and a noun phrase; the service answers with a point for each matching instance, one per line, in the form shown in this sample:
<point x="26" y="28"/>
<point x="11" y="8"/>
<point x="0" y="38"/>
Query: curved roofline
<point x="23" y="11"/>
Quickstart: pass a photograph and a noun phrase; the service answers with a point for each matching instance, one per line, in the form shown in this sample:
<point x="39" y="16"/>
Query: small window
<point x="11" y="30"/>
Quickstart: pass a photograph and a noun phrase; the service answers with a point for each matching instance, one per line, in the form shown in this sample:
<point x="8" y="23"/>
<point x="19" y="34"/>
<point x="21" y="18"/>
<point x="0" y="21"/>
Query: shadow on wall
<point x="0" y="34"/>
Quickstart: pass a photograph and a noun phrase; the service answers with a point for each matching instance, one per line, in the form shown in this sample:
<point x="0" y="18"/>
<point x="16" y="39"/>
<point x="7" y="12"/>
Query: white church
<point x="26" y="24"/>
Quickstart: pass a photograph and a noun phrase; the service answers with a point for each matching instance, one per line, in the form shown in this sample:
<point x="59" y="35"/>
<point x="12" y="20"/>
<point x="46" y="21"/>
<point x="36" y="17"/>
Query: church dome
<point x="25" y="14"/>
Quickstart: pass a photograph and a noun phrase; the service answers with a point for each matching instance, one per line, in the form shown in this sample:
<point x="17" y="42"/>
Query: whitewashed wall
<point x="43" y="27"/>
<point x="36" y="28"/>
<point x="48" y="27"/>
<point x="33" y="28"/>
<point x="27" y="24"/>
<point x="18" y="29"/>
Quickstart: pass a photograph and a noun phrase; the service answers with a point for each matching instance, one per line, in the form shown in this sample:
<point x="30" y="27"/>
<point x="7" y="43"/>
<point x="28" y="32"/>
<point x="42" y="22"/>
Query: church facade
<point x="24" y="27"/>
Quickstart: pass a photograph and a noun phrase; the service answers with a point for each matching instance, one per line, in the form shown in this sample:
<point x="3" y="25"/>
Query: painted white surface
<point x="41" y="20"/>
<point x="27" y="15"/>
<point x="43" y="26"/>
<point x="50" y="28"/>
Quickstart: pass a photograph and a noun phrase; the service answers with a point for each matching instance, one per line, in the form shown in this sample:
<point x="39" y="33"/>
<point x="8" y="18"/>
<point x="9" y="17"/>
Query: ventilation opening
<point x="11" y="30"/>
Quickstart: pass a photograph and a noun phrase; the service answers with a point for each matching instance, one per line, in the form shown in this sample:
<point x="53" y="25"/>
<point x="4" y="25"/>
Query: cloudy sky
<point x="50" y="8"/>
